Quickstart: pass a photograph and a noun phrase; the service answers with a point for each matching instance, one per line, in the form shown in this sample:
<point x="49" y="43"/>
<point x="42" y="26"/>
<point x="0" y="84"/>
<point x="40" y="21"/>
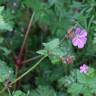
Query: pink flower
<point x="79" y="38"/>
<point x="84" y="68"/>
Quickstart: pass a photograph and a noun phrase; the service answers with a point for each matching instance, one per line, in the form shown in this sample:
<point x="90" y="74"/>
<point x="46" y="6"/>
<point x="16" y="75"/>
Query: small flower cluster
<point x="67" y="60"/>
<point x="84" y="69"/>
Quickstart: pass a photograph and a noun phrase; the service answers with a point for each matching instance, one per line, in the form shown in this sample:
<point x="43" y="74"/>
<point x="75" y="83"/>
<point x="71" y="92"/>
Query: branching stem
<point x="24" y="74"/>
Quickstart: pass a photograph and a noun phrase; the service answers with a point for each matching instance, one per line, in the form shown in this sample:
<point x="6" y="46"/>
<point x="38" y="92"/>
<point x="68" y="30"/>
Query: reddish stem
<point x="20" y="58"/>
<point x="26" y="37"/>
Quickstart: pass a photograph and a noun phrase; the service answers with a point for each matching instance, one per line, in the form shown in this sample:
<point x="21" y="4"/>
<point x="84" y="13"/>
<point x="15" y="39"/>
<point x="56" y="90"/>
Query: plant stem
<point x="31" y="69"/>
<point x="20" y="77"/>
<point x="31" y="59"/>
<point x="9" y="92"/>
<point x="16" y="75"/>
<point x="26" y="36"/>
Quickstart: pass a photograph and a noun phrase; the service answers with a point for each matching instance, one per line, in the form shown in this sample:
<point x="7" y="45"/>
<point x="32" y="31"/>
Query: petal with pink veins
<point x="83" y="39"/>
<point x="80" y="43"/>
<point x="83" y="33"/>
<point x="75" y="41"/>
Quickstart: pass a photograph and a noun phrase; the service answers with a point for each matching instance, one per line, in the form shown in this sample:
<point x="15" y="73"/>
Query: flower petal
<point x="78" y="30"/>
<point x="80" y="43"/>
<point x="81" y="71"/>
<point x="84" y="68"/>
<point x="83" y="33"/>
<point x="75" y="41"/>
<point x="83" y="39"/>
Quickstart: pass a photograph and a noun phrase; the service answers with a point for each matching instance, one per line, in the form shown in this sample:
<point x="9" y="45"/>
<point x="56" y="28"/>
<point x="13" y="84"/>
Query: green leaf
<point x="55" y="50"/>
<point x="35" y="4"/>
<point x="3" y="24"/>
<point x="6" y="73"/>
<point x="1" y="40"/>
<point x="81" y="77"/>
<point x="42" y="52"/>
<point x="52" y="44"/>
<point x="86" y="91"/>
<point x="75" y="89"/>
<point x="90" y="21"/>
<point x="19" y="93"/>
<point x="62" y="94"/>
<point x="43" y="91"/>
<point x="54" y="59"/>
<point x="1" y="9"/>
<point x="5" y="50"/>
<point x="52" y="2"/>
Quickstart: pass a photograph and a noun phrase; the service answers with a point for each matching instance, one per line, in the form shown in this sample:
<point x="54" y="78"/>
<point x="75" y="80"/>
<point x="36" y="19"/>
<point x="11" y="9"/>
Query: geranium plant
<point x="47" y="47"/>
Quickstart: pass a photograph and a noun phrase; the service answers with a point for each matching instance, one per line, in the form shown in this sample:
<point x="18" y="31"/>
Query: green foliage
<point x="55" y="51"/>
<point x="79" y="83"/>
<point x="53" y="18"/>
<point x="43" y="90"/>
<point x="6" y="73"/>
<point x="57" y="75"/>
<point x="18" y="93"/>
<point x="3" y="24"/>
